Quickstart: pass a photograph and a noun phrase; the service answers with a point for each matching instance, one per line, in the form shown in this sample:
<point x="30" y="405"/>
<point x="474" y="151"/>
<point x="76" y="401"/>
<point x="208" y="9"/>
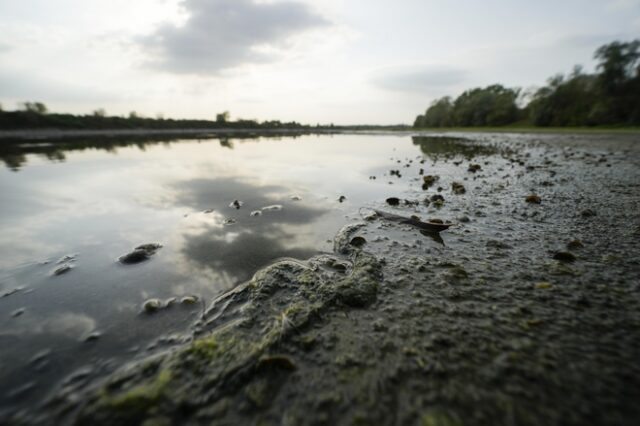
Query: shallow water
<point x="95" y="204"/>
<point x="96" y="200"/>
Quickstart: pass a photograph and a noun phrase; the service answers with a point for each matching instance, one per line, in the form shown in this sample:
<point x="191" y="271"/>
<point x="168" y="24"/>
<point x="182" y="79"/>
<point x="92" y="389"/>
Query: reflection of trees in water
<point x="253" y="242"/>
<point x="14" y="152"/>
<point x="447" y="147"/>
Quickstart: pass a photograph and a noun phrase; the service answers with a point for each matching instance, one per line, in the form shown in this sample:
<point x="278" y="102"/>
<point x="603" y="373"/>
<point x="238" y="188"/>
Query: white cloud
<point x="223" y="34"/>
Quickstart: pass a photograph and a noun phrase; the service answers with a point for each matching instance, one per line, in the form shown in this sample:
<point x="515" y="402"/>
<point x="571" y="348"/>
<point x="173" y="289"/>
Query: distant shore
<point x="48" y="134"/>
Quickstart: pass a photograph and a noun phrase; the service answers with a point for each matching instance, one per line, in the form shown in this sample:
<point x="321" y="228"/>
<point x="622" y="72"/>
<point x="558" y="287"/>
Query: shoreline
<point x="56" y="134"/>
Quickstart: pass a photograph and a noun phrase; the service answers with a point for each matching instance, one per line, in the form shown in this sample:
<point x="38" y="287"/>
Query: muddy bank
<point x="486" y="324"/>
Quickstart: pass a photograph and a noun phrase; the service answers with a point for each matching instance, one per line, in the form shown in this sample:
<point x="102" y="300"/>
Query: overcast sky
<point x="340" y="61"/>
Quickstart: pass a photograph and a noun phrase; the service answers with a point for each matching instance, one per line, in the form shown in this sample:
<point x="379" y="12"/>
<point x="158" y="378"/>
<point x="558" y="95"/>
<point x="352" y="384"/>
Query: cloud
<point x="222" y="34"/>
<point x="423" y="79"/>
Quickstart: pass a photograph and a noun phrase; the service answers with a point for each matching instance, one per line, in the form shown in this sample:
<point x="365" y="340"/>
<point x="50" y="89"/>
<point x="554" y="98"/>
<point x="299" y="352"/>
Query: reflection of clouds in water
<point x="233" y="253"/>
<point x="68" y="325"/>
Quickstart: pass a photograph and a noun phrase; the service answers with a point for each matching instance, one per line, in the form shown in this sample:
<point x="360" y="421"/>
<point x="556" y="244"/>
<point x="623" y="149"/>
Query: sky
<point x="312" y="61"/>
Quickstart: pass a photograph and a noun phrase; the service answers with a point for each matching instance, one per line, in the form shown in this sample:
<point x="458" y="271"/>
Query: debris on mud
<point x="413" y="221"/>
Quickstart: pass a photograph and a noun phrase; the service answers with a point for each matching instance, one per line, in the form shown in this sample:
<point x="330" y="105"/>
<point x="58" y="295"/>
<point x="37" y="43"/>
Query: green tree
<point x="222" y="117"/>
<point x="34" y="107"/>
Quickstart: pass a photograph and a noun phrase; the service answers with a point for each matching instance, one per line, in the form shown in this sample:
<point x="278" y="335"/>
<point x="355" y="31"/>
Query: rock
<point x="236" y="204"/>
<point x="436" y="197"/>
<point x="393" y="201"/>
<point x="464" y="219"/>
<point x="474" y="168"/>
<point x="17" y="312"/>
<point x="588" y="213"/>
<point x="189" y="300"/>
<point x="136" y="256"/>
<point x="458" y="188"/>
<point x="93" y="336"/>
<point x="229" y="222"/>
<point x="206" y="211"/>
<point x="255" y="213"/>
<point x="429" y="180"/>
<point x="296" y="198"/>
<point x="533" y="199"/>
<point x="62" y="269"/>
<point x="152" y="305"/>
<point x="564" y="256"/>
<point x="272" y="208"/>
<point x="140" y="254"/>
<point x="342" y="199"/>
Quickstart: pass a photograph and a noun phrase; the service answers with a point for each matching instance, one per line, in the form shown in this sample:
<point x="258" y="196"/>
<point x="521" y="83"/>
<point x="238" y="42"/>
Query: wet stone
<point x="429" y="180"/>
<point x="17" y="312"/>
<point x="564" y="256"/>
<point x="236" y="204"/>
<point x="393" y="201"/>
<point x="458" y="188"/>
<point x="93" y="336"/>
<point x="62" y="269"/>
<point x="152" y="305"/>
<point x="533" y="199"/>
<point x="474" y="168"/>
<point x="588" y="213"/>
<point x="140" y="254"/>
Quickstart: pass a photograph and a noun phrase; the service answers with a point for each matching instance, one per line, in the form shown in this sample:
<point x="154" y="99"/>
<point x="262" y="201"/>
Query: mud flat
<point x="522" y="313"/>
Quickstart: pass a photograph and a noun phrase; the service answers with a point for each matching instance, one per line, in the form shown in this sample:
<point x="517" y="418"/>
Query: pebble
<point x="533" y="199"/>
<point x="564" y="256"/>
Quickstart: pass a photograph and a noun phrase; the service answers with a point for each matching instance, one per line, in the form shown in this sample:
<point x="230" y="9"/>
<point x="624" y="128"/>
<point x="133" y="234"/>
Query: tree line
<point x="35" y="115"/>
<point x="610" y="96"/>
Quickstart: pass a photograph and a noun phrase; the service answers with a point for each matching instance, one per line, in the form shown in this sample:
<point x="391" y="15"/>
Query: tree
<point x="222" y="117"/>
<point x="34" y="107"/>
<point x="100" y="112"/>
<point x="439" y="114"/>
